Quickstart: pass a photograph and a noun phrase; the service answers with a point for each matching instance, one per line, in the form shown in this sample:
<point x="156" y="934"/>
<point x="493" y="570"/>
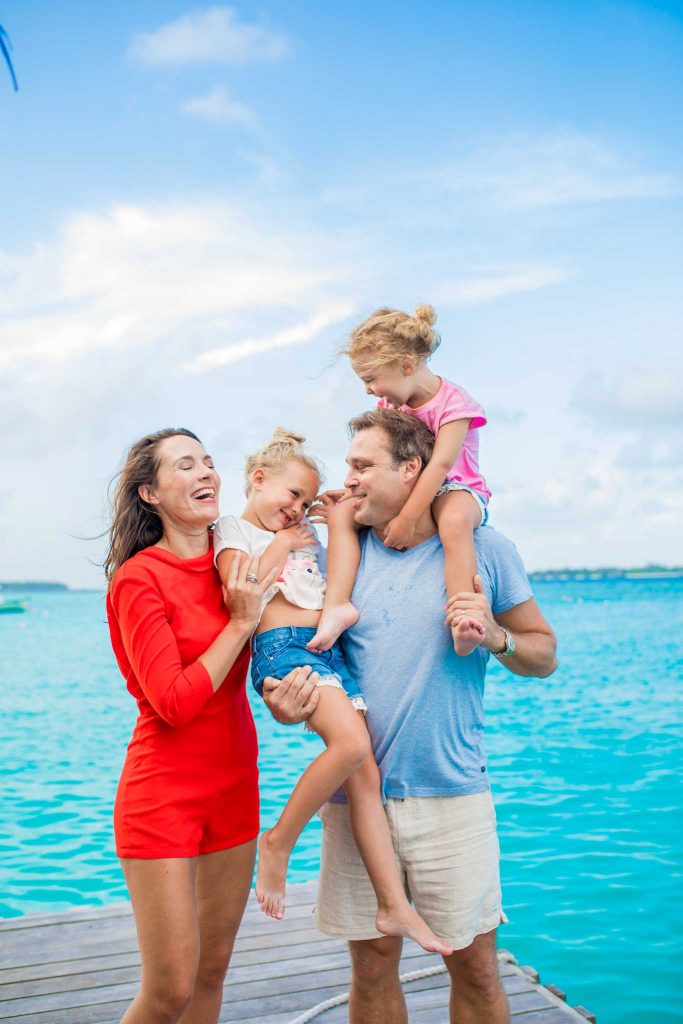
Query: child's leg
<point x="348" y="745"/>
<point x="343" y="557"/>
<point x="395" y="916"/>
<point x="457" y="515"/>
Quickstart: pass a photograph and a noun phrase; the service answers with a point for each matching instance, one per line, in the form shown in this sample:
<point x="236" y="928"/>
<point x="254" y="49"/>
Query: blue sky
<point x="200" y="201"/>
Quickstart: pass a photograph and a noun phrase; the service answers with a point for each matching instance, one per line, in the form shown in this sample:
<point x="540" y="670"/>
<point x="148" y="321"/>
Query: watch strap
<point x="509" y="644"/>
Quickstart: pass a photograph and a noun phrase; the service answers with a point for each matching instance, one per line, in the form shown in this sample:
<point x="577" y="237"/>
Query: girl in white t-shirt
<point x="282" y="482"/>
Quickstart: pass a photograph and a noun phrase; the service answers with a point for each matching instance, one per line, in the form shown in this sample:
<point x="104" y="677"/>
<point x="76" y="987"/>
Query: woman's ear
<point x="147" y="494"/>
<point x="408" y="365"/>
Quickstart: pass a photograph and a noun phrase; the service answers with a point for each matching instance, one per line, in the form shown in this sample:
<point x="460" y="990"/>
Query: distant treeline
<point x="31" y="585"/>
<point x="608" y="573"/>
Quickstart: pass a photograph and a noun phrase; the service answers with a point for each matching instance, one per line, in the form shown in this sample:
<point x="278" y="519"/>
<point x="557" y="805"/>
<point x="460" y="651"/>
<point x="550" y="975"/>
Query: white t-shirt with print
<point x="301" y="580"/>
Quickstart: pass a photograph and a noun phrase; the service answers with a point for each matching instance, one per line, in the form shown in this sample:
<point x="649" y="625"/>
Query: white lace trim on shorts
<point x="357" y="702"/>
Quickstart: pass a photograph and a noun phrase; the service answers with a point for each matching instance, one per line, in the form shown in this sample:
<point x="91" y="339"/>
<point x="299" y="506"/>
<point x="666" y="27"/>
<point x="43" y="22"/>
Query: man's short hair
<point x="407" y="436"/>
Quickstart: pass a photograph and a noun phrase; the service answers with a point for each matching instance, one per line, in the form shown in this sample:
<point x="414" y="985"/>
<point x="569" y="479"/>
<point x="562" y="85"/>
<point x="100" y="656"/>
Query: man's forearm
<point x="534" y="654"/>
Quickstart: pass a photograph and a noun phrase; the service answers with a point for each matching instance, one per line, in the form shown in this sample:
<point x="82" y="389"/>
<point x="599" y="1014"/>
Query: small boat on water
<point x="12" y="605"/>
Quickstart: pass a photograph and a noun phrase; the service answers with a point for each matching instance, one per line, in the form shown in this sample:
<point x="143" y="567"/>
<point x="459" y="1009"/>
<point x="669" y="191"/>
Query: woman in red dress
<point x="186" y="811"/>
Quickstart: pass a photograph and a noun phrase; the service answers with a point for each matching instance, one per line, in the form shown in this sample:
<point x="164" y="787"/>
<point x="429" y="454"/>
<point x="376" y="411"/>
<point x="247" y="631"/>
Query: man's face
<point x="380" y="490"/>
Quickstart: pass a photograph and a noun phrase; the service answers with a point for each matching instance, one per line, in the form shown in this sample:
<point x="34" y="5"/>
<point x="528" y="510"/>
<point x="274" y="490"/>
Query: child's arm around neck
<point x="447" y="447"/>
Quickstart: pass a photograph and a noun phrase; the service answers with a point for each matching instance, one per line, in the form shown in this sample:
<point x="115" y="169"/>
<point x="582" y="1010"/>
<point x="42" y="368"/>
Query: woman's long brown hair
<point x="135" y="524"/>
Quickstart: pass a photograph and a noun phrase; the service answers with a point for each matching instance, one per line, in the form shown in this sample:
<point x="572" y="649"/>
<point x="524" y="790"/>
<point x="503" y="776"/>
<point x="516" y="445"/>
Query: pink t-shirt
<point x="448" y="404"/>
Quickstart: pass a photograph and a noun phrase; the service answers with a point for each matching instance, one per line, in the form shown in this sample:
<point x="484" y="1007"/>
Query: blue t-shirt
<point x="425" y="702"/>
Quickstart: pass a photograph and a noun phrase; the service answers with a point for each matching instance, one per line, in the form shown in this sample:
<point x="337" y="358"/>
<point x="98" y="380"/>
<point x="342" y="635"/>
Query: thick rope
<point x="315" y="1011"/>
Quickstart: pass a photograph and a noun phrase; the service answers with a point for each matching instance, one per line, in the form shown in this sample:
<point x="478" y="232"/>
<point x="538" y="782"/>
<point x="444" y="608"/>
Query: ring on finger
<point x="250" y="578"/>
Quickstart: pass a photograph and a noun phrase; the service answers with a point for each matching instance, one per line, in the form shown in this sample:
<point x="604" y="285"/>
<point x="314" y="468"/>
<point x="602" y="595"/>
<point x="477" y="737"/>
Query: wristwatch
<point x="509" y="645"/>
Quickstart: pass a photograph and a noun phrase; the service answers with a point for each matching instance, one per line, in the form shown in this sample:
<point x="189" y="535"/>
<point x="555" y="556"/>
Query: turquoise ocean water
<point x="585" y="766"/>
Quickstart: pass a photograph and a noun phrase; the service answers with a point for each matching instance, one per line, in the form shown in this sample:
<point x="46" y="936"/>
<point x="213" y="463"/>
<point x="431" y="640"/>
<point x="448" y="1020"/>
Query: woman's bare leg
<point x="343" y="558"/>
<point x="395" y="916"/>
<point x="222" y="884"/>
<point x="164" y="904"/>
<point x="348" y="744"/>
<point x="457" y="515"/>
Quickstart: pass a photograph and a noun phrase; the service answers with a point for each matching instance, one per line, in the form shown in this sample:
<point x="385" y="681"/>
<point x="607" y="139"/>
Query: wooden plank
<point x="122" y="926"/>
<point x="439" y="1015"/>
<point x="523" y="1002"/>
<point x="41" y="947"/>
<point x="55" y="968"/>
<point x="84" y="1015"/>
<point x="329" y="968"/>
<point x="514" y="984"/>
<point x="68" y="983"/>
<point x="82" y="967"/>
<point x="550" y="1015"/>
<point x="302" y="893"/>
<point x="282" y="973"/>
<point x="75" y="916"/>
<point x="419" y="1011"/>
<point x="423" y="992"/>
<point x="327" y="979"/>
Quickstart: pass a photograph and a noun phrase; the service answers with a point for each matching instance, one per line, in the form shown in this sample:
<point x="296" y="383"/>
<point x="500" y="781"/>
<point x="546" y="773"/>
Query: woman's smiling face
<point x="281" y="496"/>
<point x="187" y="486"/>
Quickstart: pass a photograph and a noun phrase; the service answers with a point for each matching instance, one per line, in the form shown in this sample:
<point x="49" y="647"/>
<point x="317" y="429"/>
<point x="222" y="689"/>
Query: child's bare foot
<point x="333" y="622"/>
<point x="407" y="923"/>
<point x="467" y="635"/>
<point x="271" y="876"/>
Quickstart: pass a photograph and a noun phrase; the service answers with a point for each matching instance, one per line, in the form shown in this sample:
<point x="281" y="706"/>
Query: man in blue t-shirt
<point x="426" y="721"/>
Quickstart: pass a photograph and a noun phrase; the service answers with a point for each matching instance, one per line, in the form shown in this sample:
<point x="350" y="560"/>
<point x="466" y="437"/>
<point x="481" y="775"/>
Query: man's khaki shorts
<point x="447" y="856"/>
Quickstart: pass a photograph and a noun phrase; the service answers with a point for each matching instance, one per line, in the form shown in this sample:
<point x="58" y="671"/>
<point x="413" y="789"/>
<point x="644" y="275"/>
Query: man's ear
<point x="411" y="468"/>
<point x="147" y="494"/>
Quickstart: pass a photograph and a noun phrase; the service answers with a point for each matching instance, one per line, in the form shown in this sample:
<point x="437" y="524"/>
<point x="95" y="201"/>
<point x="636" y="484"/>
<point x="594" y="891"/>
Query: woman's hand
<point x="242" y="596"/>
<point x="298" y="537"/>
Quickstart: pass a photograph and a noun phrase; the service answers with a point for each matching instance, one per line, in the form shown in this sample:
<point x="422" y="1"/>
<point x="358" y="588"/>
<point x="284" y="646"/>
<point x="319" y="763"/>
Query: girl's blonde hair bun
<point x="388" y="334"/>
<point x="427" y="314"/>
<point x="283" y="436"/>
<point x="283" y="446"/>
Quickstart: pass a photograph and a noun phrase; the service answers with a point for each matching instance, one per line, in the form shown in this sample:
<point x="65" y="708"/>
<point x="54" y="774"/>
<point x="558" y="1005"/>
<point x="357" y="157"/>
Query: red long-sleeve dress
<point x="189" y="783"/>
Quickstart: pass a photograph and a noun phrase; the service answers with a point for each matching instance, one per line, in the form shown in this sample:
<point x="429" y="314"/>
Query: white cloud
<point x="299" y="334"/>
<point x="218" y="107"/>
<point x="469" y="291"/>
<point x="137" y="275"/>
<point x="558" y="169"/>
<point x="215" y="35"/>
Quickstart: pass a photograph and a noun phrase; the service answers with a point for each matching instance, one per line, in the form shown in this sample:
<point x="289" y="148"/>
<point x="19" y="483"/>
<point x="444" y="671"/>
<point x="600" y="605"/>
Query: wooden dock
<point x="82" y="967"/>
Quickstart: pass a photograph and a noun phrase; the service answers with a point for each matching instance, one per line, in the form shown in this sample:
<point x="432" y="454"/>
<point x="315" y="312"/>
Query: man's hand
<point x="400" y="533"/>
<point x="535" y="642"/>
<point x="476" y="604"/>
<point x="293" y="699"/>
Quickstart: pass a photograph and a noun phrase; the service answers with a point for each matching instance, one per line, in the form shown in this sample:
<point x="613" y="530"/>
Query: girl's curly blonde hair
<point x="388" y="334"/>
<point x="282" y="447"/>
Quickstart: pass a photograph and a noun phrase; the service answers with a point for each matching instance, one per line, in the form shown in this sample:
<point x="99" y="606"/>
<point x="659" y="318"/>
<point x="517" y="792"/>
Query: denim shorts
<point x="455" y="485"/>
<point x="277" y="651"/>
